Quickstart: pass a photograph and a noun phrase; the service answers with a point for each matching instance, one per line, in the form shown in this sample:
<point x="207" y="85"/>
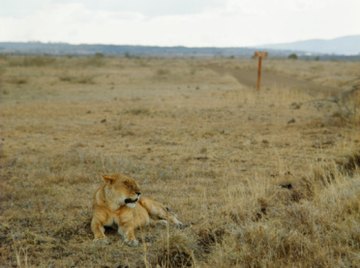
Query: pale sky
<point x="177" y="22"/>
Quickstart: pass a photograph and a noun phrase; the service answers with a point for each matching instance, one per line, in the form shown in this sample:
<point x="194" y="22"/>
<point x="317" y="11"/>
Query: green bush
<point x="293" y="56"/>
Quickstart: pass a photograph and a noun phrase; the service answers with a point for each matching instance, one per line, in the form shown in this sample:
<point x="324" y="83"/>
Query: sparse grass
<point x="2" y="72"/>
<point x="138" y="111"/>
<point x="98" y="60"/>
<point x="78" y="79"/>
<point x="17" y="80"/>
<point x="278" y="226"/>
<point x="31" y="61"/>
<point x="257" y="190"/>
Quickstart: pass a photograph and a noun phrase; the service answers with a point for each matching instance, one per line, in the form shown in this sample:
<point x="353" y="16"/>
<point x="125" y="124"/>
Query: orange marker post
<point x="260" y="55"/>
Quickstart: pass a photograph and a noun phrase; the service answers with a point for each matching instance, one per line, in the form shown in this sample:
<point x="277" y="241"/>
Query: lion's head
<point x="121" y="190"/>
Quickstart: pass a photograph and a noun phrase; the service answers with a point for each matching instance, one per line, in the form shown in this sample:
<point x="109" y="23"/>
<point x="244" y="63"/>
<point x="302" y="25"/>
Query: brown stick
<point x="260" y="55"/>
<point x="259" y="73"/>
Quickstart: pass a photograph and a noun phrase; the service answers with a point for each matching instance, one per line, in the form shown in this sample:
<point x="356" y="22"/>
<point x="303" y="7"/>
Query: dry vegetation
<point x="266" y="179"/>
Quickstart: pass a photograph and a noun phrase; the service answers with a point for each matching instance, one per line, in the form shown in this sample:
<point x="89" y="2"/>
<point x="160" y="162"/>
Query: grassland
<point x="266" y="179"/>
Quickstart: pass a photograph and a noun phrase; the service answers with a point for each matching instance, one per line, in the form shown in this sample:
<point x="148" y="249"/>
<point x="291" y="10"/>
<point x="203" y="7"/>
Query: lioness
<point x="118" y="201"/>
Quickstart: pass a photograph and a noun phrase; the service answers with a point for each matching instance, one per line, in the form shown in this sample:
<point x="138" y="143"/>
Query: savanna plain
<point x="264" y="178"/>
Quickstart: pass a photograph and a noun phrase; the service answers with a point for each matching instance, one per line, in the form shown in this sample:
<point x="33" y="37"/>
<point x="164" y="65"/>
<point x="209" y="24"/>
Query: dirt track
<point x="272" y="79"/>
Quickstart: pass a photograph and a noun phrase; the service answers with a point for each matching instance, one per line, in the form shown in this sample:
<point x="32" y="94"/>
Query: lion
<point x="119" y="201"/>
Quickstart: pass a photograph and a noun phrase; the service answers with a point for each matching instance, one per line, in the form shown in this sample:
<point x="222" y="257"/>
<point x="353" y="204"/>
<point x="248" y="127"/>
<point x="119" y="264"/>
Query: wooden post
<point x="258" y="82"/>
<point x="260" y="55"/>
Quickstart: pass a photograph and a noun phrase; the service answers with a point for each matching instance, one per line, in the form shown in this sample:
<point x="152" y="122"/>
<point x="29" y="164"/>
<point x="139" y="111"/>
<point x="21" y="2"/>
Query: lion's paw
<point x="162" y="223"/>
<point x="101" y="241"/>
<point x="132" y="243"/>
<point x="181" y="225"/>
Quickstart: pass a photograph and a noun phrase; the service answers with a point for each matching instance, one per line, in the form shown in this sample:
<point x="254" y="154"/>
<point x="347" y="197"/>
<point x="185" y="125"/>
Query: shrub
<point x="162" y="72"/>
<point x="293" y="56"/>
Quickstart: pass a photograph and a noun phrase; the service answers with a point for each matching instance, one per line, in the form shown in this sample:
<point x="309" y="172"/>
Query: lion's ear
<point x="108" y="179"/>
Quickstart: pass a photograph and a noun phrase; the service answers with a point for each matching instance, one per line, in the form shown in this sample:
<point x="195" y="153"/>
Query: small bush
<point x="162" y="72"/>
<point x="293" y="56"/>
<point x="99" y="55"/>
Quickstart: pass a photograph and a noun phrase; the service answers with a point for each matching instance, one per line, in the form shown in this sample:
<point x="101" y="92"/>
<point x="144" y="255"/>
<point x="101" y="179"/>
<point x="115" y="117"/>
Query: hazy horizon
<point x="155" y="45"/>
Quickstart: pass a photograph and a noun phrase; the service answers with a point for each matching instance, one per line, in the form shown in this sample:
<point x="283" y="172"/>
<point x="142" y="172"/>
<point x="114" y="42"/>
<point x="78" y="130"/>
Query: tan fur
<point x="118" y="201"/>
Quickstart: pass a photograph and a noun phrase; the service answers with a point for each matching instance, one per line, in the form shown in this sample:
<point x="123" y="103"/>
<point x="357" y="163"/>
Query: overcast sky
<point x="177" y="22"/>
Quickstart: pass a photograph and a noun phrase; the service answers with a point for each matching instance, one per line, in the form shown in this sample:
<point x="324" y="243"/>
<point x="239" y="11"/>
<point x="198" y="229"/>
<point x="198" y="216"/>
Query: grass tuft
<point x="80" y="79"/>
<point x="174" y="251"/>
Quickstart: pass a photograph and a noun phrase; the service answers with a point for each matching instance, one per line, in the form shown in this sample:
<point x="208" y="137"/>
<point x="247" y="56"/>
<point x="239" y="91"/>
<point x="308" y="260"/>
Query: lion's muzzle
<point x="130" y="202"/>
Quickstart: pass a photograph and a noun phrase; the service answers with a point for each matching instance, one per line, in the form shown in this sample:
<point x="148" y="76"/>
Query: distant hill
<point x="338" y="48"/>
<point x="347" y="45"/>
<point x="39" y="48"/>
<point x="122" y="50"/>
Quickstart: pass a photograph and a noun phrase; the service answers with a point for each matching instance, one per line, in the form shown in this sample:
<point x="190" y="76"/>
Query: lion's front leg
<point x="121" y="232"/>
<point x="128" y="234"/>
<point x="98" y="230"/>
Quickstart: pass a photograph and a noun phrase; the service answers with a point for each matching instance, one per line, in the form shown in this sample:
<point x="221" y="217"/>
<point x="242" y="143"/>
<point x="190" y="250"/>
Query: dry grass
<point x="266" y="179"/>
